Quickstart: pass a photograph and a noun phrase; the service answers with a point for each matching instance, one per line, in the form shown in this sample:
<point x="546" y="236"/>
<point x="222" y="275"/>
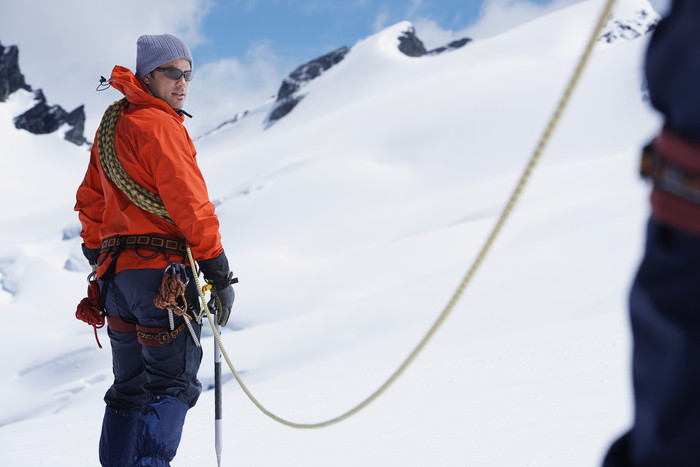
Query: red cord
<point x="89" y="309"/>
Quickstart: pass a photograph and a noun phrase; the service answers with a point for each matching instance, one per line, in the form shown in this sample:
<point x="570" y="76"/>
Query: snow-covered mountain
<point x="349" y="222"/>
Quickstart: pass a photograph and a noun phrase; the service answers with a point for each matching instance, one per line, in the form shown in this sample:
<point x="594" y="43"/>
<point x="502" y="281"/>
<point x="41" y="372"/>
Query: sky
<point x="242" y="48"/>
<point x="312" y="28"/>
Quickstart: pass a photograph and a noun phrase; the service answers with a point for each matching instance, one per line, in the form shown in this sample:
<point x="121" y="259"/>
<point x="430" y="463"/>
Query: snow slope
<point x="350" y="222"/>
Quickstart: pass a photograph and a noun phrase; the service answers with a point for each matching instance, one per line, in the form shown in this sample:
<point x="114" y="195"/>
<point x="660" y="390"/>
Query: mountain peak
<point x="409" y="44"/>
<point x="11" y="79"/>
<point x="287" y="96"/>
<point x="42" y="118"/>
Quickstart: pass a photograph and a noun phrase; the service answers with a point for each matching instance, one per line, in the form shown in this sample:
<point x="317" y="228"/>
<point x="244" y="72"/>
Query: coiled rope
<point x="88" y="309"/>
<point x="138" y="195"/>
<point x="534" y="159"/>
<point x="171" y="297"/>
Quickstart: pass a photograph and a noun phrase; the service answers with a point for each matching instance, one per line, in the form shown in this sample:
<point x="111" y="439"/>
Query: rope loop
<point x="88" y="309"/>
<point x="171" y="294"/>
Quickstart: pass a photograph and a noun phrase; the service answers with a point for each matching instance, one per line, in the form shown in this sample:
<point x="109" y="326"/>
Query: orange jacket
<point x="156" y="151"/>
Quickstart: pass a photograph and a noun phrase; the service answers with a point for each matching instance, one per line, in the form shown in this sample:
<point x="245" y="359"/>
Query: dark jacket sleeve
<point x="673" y="69"/>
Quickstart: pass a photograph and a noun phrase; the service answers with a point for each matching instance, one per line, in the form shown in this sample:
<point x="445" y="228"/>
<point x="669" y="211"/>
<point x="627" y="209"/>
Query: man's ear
<point x="146" y="79"/>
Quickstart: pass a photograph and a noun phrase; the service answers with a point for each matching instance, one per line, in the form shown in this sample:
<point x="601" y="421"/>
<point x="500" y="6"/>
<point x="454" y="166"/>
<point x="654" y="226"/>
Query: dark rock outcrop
<point x="11" y="79"/>
<point x="640" y="24"/>
<point x="287" y="95"/>
<point x="44" y="118"/>
<point x="76" y="119"/>
<point x="451" y="46"/>
<point x="412" y="46"/>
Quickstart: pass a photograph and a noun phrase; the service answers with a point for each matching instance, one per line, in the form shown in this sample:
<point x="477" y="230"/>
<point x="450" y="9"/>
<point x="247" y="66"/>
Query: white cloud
<point x="226" y="87"/>
<point x="497" y="16"/>
<point x="66" y="45"/>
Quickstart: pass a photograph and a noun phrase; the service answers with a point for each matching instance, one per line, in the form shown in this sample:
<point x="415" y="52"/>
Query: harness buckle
<point x="163" y="338"/>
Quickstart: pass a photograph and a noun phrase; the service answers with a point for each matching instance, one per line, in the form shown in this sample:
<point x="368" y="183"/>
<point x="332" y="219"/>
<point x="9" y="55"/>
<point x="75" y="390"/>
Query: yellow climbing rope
<point x="470" y="273"/>
<point x="152" y="203"/>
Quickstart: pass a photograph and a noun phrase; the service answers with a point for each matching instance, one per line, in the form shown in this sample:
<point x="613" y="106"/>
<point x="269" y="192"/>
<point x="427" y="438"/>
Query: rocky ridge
<point x="630" y="26"/>
<point x="289" y="93"/>
<point x="42" y="118"/>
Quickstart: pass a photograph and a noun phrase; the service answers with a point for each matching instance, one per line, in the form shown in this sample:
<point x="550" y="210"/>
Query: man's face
<point x="172" y="91"/>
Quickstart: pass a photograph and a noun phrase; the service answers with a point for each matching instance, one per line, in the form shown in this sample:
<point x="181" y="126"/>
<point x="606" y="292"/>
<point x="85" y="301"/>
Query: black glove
<point x="224" y="296"/>
<point x="217" y="273"/>
<point x="91" y="254"/>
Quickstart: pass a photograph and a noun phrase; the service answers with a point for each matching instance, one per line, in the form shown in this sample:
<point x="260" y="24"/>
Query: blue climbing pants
<point x="154" y="385"/>
<point x="665" y="319"/>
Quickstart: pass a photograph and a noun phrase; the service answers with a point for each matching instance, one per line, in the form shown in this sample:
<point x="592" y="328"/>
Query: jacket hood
<point x="136" y="92"/>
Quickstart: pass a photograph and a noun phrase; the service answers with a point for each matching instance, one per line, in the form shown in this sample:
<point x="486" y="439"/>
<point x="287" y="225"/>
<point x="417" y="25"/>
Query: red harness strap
<point x="115" y="323"/>
<point x="157" y="336"/>
<point x="154" y="337"/>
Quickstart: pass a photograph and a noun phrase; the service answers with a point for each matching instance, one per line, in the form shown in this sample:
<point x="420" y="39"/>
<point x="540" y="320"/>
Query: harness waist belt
<point x="151" y="242"/>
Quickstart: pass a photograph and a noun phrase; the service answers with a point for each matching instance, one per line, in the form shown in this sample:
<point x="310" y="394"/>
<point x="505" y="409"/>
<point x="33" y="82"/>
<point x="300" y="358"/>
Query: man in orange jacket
<point x="155" y="361"/>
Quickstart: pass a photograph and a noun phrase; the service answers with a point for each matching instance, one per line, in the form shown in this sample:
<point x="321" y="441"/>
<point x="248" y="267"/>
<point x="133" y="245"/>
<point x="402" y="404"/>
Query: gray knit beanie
<point x="153" y="51"/>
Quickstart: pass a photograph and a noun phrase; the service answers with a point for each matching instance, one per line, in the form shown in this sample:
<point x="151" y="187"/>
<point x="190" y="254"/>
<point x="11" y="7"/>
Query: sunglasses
<point x="174" y="73"/>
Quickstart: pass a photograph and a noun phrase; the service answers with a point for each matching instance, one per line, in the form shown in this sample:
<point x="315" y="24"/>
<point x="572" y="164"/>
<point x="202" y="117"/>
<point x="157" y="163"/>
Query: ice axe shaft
<point x="218" y="397"/>
<point x="218" y="400"/>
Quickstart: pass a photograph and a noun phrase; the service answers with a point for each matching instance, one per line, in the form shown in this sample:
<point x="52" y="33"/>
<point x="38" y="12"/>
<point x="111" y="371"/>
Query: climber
<point x="155" y="361"/>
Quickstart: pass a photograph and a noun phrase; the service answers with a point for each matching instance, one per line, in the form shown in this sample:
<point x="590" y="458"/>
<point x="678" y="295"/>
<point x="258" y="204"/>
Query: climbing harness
<point x="171" y="296"/>
<point x="515" y="195"/>
<point x="153" y="337"/>
<point x="175" y="279"/>
<point x="155" y="243"/>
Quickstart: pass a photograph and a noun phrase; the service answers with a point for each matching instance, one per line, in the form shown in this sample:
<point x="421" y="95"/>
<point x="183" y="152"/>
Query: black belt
<point x="149" y="242"/>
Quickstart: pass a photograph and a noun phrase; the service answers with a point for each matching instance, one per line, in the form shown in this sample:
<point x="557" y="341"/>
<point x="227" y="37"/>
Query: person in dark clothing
<point x="664" y="300"/>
